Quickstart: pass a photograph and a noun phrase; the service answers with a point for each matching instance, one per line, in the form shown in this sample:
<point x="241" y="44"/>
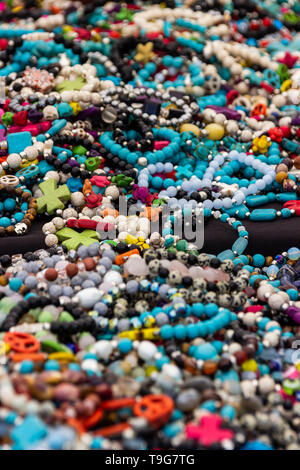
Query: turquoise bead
<point x="52" y="365"/>
<point x="5" y="222"/>
<point x="227" y="254"/>
<point x="15" y="283"/>
<point x="125" y="345"/>
<point x="263" y="214"/>
<point x="254" y="201"/>
<point x="240" y="245"/>
<point x="26" y="367"/>
<point x="205" y="351"/>
<point x="9" y="204"/>
<point x="258" y="260"/>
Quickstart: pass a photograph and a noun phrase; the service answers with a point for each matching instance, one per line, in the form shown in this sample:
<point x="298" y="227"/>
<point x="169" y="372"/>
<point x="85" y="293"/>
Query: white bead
<point x="77" y="199"/>
<point x="51" y="240"/>
<point x="266" y="384"/>
<point x="103" y="349"/>
<point x="90" y="364"/>
<point x="147" y="350"/>
<point x="271" y="339"/>
<point x="58" y="222"/>
<point x="14" y="160"/>
<point x="249" y="319"/>
<point x="276" y="301"/>
<point x="113" y="276"/>
<point x="49" y="227"/>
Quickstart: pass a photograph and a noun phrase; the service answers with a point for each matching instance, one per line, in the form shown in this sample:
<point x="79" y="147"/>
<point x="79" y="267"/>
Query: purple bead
<point x="229" y="113"/>
<point x="296" y="121"/>
<point x="296" y="318"/>
<point x="35" y="116"/>
<point x="291" y="311"/>
<point x="73" y="162"/>
<point x="92" y="111"/>
<point x="94" y="134"/>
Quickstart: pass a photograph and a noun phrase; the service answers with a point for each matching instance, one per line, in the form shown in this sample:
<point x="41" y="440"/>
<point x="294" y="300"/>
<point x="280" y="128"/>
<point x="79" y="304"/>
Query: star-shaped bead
<point x="289" y="60"/>
<point x="144" y="52"/>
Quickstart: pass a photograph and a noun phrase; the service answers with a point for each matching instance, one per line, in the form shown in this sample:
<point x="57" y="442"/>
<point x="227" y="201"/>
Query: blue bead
<point x="211" y="309"/>
<point x="26" y="367"/>
<point x="9" y="204"/>
<point x="166" y="332"/>
<point x="205" y="351"/>
<point x="15" y="283"/>
<point x="258" y="260"/>
<point x="5" y="222"/>
<point x="125" y="345"/>
<point x="180" y="332"/>
<point x="52" y="365"/>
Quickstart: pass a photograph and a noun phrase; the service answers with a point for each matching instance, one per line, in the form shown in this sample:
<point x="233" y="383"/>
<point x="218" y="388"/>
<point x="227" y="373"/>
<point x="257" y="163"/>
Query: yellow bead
<point x="4" y="348"/>
<point x="286" y="85"/>
<point x="27" y="163"/>
<point x="149" y="321"/>
<point x="150" y="370"/>
<point x="62" y="356"/>
<point x="215" y="131"/>
<point x="250" y="365"/>
<point x="133" y="334"/>
<point x="190" y="128"/>
<point x="131" y="240"/>
<point x="150" y="333"/>
<point x="76" y="107"/>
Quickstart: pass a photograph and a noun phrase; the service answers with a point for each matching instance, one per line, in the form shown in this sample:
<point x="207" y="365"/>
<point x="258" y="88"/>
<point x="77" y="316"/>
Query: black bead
<point x="215" y="263"/>
<point x="5" y="260"/>
<point x="187" y="281"/>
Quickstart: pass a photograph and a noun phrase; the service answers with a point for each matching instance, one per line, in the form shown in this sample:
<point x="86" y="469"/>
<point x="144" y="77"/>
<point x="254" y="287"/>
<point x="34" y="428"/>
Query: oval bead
<point x="240" y="245"/>
<point x="263" y="214"/>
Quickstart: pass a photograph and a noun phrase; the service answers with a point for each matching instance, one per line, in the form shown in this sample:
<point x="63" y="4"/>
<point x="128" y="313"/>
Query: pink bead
<point x="160" y="144"/>
<point x="254" y="308"/>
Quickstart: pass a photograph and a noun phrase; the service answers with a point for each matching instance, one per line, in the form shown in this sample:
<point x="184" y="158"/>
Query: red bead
<point x="20" y="118"/>
<point x="3" y="44"/>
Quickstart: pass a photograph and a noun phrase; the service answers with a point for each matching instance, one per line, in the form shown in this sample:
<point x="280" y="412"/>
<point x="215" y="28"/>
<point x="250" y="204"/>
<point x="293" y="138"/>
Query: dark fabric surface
<point x="267" y="238"/>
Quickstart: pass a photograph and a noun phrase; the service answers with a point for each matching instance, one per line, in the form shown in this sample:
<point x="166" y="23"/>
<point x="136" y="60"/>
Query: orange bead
<point x="297" y="162"/>
<point x="209" y="367"/>
<point x="281" y="176"/>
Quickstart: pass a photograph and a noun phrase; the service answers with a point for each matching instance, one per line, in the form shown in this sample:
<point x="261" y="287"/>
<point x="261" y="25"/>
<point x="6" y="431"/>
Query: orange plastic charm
<point x="259" y="109"/>
<point x="155" y="408"/>
<point x="151" y="213"/>
<point x="120" y="259"/>
<point x="22" y="342"/>
<point x="118" y="403"/>
<point x="87" y="188"/>
<point x="113" y="430"/>
<point x="92" y="420"/>
<point x="35" y="357"/>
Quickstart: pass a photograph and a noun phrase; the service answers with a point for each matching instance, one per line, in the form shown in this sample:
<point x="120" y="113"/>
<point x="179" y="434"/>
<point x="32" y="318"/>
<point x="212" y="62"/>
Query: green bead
<point x="7" y="119"/>
<point x="92" y="163"/>
<point x="79" y="150"/>
<point x="52" y="196"/>
<point x="45" y="317"/>
<point x="182" y="245"/>
<point x="52" y="346"/>
<point x="72" y="239"/>
<point x="65" y="316"/>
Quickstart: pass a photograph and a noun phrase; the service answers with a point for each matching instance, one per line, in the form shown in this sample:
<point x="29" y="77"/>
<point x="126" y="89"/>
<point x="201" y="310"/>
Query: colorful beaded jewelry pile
<point x="125" y="128"/>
